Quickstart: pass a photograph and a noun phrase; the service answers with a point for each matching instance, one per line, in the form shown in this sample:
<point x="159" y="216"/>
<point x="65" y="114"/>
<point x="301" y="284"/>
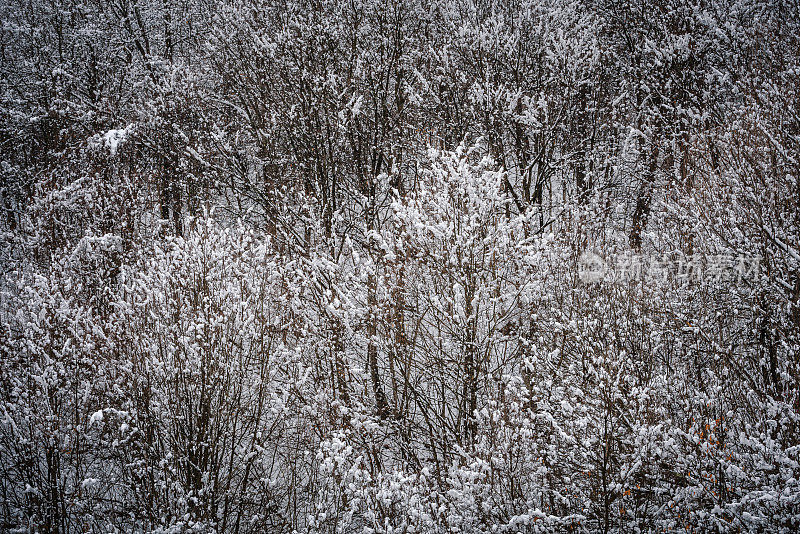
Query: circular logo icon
<point x="591" y="267"/>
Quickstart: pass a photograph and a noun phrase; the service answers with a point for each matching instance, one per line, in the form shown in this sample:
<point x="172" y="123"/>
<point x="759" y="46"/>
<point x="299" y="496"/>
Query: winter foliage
<point x="320" y="266"/>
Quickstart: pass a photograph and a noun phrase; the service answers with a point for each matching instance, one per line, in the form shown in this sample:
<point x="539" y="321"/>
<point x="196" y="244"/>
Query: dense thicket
<point x="332" y="266"/>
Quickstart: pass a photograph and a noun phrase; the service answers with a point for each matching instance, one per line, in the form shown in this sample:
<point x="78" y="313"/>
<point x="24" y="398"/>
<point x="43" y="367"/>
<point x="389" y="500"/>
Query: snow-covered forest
<point x="399" y="266"/>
